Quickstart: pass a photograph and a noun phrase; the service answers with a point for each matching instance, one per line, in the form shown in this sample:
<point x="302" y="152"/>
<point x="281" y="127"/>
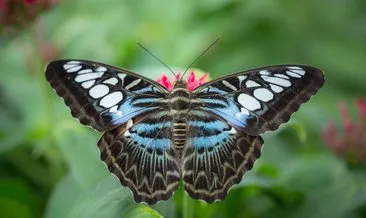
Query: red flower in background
<point x="22" y="12"/>
<point x="192" y="81"/>
<point x="17" y="14"/>
<point x="351" y="144"/>
<point x="30" y="1"/>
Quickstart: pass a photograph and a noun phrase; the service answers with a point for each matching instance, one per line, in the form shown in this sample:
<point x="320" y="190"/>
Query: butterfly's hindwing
<point x="216" y="156"/>
<point x="262" y="99"/>
<point x="141" y="154"/>
<point x="103" y="96"/>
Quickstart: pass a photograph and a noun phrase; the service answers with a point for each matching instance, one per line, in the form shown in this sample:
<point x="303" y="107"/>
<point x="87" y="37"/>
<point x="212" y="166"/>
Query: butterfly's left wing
<point x="142" y="155"/>
<point x="103" y="96"/>
<point x="132" y="111"/>
<point x="261" y="99"/>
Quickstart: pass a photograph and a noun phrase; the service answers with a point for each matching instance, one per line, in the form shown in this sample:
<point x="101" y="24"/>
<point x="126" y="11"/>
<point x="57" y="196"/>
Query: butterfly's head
<point x="179" y="82"/>
<point x="191" y="83"/>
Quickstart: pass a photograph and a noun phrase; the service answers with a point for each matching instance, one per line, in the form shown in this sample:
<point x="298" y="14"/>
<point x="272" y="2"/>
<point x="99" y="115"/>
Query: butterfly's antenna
<point x="148" y="51"/>
<point x="208" y="48"/>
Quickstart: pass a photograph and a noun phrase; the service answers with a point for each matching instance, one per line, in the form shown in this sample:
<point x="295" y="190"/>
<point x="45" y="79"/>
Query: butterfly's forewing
<point x="103" y="96"/>
<point x="141" y="154"/>
<point x="216" y="156"/>
<point x="261" y="99"/>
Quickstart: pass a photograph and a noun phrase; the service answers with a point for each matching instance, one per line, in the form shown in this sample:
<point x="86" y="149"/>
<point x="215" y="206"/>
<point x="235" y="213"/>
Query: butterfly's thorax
<point x="179" y="104"/>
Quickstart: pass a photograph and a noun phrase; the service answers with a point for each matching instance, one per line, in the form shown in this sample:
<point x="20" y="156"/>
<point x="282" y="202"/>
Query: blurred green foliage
<point x="49" y="163"/>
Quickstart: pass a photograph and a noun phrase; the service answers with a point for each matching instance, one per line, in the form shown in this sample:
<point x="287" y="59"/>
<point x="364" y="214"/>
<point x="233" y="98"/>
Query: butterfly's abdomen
<point x="179" y="133"/>
<point x="179" y="104"/>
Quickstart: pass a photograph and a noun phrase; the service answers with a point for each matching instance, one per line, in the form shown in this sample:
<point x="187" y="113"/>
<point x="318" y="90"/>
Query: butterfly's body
<point x="180" y="103"/>
<point x="209" y="136"/>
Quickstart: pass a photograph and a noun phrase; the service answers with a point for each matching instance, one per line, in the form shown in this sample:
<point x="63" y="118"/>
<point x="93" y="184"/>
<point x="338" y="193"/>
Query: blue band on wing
<point x="209" y="141"/>
<point x="153" y="143"/>
<point x="150" y="127"/>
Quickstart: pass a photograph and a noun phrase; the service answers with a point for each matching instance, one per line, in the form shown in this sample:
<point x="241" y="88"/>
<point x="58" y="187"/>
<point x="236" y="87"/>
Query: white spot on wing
<point x="129" y="124"/>
<point x="249" y="102"/>
<point x="263" y="94"/>
<point x="71" y="64"/>
<point x="241" y="79"/>
<point x="111" y="99"/>
<point x="127" y="133"/>
<point x="74" y="69"/>
<point x="67" y="66"/>
<point x="122" y="76"/>
<point x="98" y="91"/>
<point x="281" y="76"/>
<point x="232" y="130"/>
<point x="85" y="71"/>
<point x="293" y="74"/>
<point x="132" y="84"/>
<point x="229" y="85"/>
<point x="113" y="109"/>
<point x="243" y="111"/>
<point x="100" y="69"/>
<point x="297" y="70"/>
<point x="112" y="81"/>
<point x="87" y="84"/>
<point x="277" y="81"/>
<point x="264" y="72"/>
<point x="251" y="83"/>
<point x="88" y="76"/>
<point x="275" y="88"/>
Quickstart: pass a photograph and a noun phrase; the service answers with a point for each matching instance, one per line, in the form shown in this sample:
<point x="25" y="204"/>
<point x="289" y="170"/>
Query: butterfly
<point x="208" y="136"/>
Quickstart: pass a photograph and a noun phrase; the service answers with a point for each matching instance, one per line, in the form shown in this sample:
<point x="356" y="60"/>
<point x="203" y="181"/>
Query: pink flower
<point x="29" y="1"/>
<point x="361" y="107"/>
<point x="2" y="4"/>
<point x="164" y="80"/>
<point x="192" y="81"/>
<point x="351" y="144"/>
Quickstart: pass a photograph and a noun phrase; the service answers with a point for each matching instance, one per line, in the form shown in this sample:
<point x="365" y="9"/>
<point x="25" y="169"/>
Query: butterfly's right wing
<point x="216" y="156"/>
<point x="260" y="100"/>
<point x="103" y="96"/>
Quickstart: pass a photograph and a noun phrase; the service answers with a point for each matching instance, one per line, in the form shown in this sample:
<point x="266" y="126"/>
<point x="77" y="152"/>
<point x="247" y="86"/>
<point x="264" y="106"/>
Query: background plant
<point x="49" y="164"/>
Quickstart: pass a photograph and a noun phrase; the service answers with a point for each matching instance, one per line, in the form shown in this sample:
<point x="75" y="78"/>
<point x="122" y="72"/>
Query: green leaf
<point x="78" y="145"/>
<point x="11" y="208"/>
<point x="63" y="198"/>
<point x="107" y="199"/>
<point x="324" y="182"/>
<point x="144" y="211"/>
<point x="16" y="200"/>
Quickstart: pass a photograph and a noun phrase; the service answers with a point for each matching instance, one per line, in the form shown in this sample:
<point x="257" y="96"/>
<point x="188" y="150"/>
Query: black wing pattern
<point x="141" y="154"/>
<point x="103" y="96"/>
<point x="131" y="109"/>
<point x="261" y="99"/>
<point x="216" y="156"/>
<point x="223" y="140"/>
<point x="224" y="120"/>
